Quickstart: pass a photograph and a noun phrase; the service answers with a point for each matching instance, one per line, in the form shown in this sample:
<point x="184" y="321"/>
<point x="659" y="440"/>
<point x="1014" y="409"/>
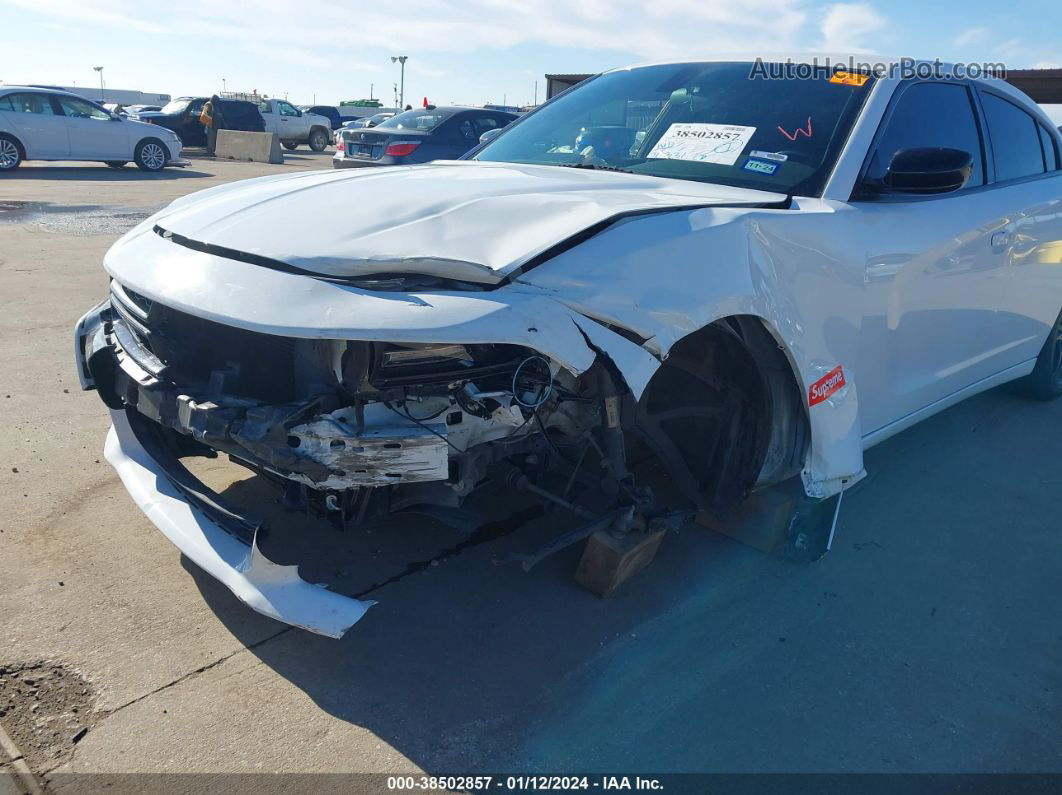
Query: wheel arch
<point x="18" y="142"/>
<point x="736" y="367"/>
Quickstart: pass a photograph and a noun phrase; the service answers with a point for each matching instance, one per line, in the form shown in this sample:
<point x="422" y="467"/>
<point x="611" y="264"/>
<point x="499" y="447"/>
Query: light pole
<point x="401" y="59"/>
<point x="103" y="97"/>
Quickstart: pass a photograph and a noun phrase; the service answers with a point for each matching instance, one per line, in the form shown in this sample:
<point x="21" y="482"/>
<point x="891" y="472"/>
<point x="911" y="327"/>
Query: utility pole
<point x="224" y="87"/>
<point x="371" y="86"/>
<point x="103" y="96"/>
<point x="396" y="99"/>
<point x="536" y="92"/>
<point x="401" y="59"/>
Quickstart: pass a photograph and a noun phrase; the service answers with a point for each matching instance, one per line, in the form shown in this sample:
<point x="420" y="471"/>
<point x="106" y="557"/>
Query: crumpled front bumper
<point x="271" y="589"/>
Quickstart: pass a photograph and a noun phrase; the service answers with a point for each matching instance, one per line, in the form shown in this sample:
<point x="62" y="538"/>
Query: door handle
<point x="1000" y="240"/>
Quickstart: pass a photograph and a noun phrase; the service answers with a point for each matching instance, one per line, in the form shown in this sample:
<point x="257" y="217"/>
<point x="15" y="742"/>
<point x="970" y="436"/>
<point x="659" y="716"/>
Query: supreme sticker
<point x="826" y="386"/>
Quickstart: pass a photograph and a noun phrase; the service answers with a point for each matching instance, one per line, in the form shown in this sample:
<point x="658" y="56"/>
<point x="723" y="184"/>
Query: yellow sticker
<point x="849" y="78"/>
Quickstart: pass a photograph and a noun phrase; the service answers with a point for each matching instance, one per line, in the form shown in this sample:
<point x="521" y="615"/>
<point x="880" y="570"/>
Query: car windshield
<point x="414" y="120"/>
<point x="711" y="122"/>
<point x="175" y="106"/>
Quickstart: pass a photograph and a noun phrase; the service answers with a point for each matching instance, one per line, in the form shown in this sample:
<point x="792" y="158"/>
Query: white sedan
<point x="45" y="124"/>
<point x="753" y="279"/>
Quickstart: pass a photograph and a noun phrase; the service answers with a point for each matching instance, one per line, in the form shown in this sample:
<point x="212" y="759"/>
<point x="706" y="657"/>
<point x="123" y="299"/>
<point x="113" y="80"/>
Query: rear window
<point x="177" y="106"/>
<point x="1015" y="139"/>
<point x="415" y="120"/>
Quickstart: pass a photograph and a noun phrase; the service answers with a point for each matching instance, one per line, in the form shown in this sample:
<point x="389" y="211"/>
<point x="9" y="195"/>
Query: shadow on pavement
<point x="102" y="173"/>
<point x="936" y="608"/>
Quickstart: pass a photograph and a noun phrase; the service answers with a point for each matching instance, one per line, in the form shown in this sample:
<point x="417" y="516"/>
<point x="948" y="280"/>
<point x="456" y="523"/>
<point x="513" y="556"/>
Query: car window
<point x="80" y="109"/>
<point x="415" y="120"/>
<point x="930" y="115"/>
<point x="265" y="106"/>
<point x="32" y="103"/>
<point x="287" y="110"/>
<point x="464" y="128"/>
<point x="5" y="103"/>
<point x="708" y="122"/>
<point x="1050" y="149"/>
<point x="1015" y="139"/>
<point x="484" y="123"/>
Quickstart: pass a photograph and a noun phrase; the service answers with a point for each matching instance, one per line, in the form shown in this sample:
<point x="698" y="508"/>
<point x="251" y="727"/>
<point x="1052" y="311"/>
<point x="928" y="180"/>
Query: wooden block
<point x="608" y="561"/>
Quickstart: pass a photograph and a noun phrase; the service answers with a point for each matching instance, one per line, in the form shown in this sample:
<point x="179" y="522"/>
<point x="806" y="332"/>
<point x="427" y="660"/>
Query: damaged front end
<point x="348" y="429"/>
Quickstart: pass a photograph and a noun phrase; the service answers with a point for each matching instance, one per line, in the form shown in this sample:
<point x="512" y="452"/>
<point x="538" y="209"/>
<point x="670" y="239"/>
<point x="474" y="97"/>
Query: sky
<point x="476" y="51"/>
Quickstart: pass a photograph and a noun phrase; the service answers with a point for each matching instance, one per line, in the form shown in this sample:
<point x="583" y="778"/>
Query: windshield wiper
<point x="597" y="167"/>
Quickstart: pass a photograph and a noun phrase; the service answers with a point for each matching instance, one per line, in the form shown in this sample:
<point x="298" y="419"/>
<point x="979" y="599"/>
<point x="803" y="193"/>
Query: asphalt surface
<point x="930" y="638"/>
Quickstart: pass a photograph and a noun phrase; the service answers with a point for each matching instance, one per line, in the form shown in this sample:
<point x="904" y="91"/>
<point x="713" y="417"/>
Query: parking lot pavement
<point x="928" y="640"/>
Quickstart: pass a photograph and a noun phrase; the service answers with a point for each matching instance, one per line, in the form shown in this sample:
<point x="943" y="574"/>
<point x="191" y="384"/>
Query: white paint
<point x="443" y="218"/>
<point x="273" y="590"/>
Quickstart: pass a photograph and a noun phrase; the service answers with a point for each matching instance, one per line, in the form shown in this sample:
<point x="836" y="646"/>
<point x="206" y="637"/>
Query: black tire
<point x="318" y="140"/>
<point x="289" y="144"/>
<point x="11" y="153"/>
<point x="1045" y="381"/>
<point x="151" y="155"/>
<point x="116" y="163"/>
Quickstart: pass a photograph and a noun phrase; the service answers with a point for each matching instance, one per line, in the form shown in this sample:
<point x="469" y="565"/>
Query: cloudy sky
<point x="476" y="51"/>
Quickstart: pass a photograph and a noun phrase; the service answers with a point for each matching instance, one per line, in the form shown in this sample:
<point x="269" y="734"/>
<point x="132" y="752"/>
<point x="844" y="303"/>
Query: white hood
<point x="455" y="219"/>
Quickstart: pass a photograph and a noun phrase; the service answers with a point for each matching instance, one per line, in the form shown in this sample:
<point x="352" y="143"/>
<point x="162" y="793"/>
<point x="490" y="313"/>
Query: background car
<point x="368" y="121"/>
<point x="132" y="110"/>
<point x="294" y="126"/>
<point x="417" y="136"/>
<point x="42" y="124"/>
<point x="330" y="112"/>
<point x="182" y="116"/>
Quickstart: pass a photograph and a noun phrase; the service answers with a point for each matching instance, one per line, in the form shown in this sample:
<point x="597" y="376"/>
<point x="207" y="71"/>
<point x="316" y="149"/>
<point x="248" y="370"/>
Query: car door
<point x="293" y="125"/>
<point x="1025" y="153"/>
<point x="38" y="125"/>
<point x="935" y="271"/>
<point x="93" y="132"/>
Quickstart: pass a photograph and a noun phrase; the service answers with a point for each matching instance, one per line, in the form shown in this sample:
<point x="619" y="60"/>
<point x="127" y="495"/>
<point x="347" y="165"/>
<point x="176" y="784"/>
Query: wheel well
<point x="724" y="413"/>
<point x="18" y="143"/>
<point x="317" y="127"/>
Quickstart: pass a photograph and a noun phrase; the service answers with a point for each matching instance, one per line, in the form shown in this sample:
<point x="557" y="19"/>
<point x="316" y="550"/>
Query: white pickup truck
<point x="294" y="126"/>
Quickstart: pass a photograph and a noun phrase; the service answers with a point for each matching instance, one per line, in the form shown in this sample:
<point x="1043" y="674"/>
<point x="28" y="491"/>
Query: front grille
<point x="205" y="356"/>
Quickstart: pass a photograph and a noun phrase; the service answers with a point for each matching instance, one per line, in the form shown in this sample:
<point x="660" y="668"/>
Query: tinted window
<point x="415" y="120"/>
<point x="1015" y="139"/>
<point x="5" y="103"/>
<point x="1050" y="149"/>
<point x="930" y="115"/>
<point x="724" y="123"/>
<point x="32" y="103"/>
<point x="80" y="109"/>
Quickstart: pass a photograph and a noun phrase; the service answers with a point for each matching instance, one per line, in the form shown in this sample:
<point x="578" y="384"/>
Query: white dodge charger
<point x="745" y="281"/>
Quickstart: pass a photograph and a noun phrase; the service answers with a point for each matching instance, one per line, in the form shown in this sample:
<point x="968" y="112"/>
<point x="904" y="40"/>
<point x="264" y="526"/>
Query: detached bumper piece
<point x="196" y="527"/>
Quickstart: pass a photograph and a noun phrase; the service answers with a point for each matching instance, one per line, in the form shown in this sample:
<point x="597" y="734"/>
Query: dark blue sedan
<point x="417" y="136"/>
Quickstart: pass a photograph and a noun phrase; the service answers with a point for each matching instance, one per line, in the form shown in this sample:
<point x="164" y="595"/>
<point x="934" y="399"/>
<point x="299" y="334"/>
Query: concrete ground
<point x="930" y="638"/>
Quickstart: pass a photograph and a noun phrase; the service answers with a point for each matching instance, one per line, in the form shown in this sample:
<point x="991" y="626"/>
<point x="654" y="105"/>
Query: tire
<point x="151" y="155"/>
<point x="116" y="163"/>
<point x="290" y="144"/>
<point x="318" y="140"/>
<point x="1045" y="381"/>
<point x="11" y="155"/>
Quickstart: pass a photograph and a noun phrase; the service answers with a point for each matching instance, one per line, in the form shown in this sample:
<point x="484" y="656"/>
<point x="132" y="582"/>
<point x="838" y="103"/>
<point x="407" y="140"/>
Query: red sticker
<point x="826" y="386"/>
<point x="798" y="132"/>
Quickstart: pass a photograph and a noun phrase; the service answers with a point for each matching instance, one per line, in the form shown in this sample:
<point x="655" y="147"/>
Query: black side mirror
<point x="927" y="171"/>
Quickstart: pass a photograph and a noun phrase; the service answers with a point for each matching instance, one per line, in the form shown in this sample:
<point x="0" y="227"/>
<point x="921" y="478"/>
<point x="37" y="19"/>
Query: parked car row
<point x="46" y="124"/>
